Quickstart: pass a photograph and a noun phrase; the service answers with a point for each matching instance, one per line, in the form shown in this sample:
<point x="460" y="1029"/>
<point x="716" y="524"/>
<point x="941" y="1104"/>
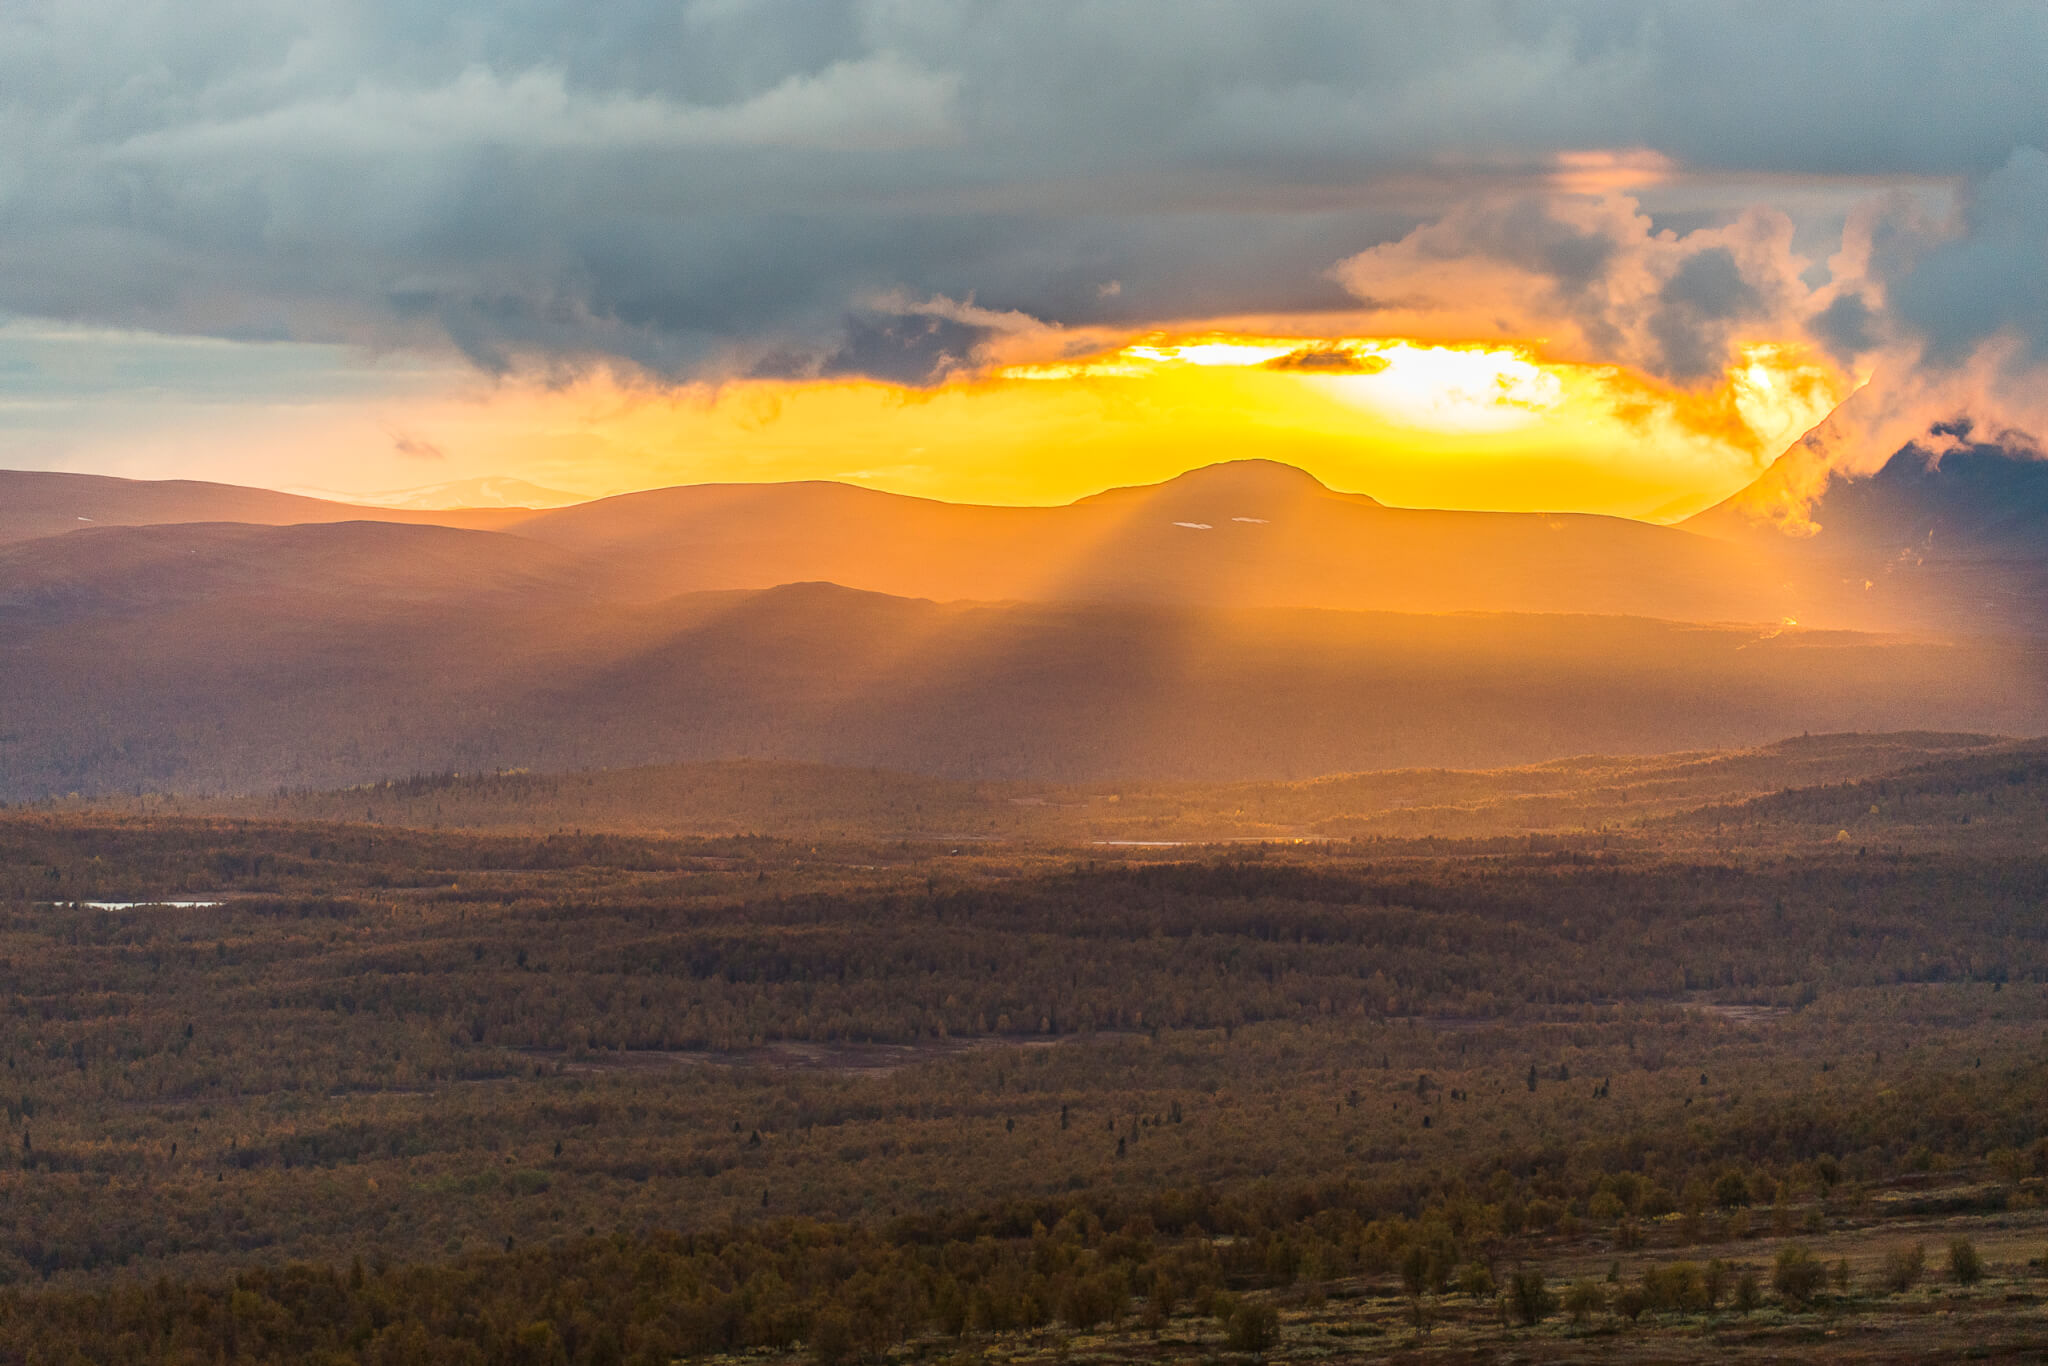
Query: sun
<point x="1449" y="389"/>
<point x="1431" y="388"/>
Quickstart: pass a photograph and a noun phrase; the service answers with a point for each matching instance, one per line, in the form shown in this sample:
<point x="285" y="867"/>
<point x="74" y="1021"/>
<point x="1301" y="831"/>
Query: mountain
<point x="207" y="658"/>
<point x="361" y="569"/>
<point x="37" y="503"/>
<point x="1961" y="544"/>
<point x="1240" y="622"/>
<point x="1955" y="540"/>
<point x="1972" y="503"/>
<point x="1244" y="534"/>
<point x="1239" y="535"/>
<point x="492" y="491"/>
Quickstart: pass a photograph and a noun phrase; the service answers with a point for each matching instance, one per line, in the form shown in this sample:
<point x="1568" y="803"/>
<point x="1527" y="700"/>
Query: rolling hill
<point x="1994" y="800"/>
<point x="1958" y="547"/>
<point x="816" y="801"/>
<point x="209" y="658"/>
<point x="1239" y="622"/>
<point x="363" y="567"/>
<point x="1245" y="534"/>
<point x="37" y="503"/>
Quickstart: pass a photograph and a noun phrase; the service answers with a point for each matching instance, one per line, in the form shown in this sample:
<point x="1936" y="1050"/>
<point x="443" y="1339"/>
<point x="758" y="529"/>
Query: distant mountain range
<point x="492" y="491"/>
<point x="1958" y="542"/>
<point x="1241" y="621"/>
<point x="36" y="504"/>
<point x="1247" y="534"/>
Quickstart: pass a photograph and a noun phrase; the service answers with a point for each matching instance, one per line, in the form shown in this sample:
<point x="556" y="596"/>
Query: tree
<point x="1089" y="1302"/>
<point x="1530" y="1297"/>
<point x="1585" y="1298"/>
<point x="832" y="1342"/>
<point x="1901" y="1268"/>
<point x="1748" y="1295"/>
<point x="1798" y="1275"/>
<point x="1253" y="1328"/>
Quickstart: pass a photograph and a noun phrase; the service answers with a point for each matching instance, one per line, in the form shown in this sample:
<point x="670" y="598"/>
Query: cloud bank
<point x="734" y="187"/>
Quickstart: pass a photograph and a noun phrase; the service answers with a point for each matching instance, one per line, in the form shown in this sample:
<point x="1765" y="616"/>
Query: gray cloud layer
<point x="696" y="187"/>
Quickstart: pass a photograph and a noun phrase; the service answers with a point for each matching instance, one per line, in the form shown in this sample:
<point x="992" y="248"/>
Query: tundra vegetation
<point x="1761" y="1080"/>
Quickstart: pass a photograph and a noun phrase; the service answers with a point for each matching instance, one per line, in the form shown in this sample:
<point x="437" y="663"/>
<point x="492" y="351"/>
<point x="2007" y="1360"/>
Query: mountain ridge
<point x="1940" y="535"/>
<point x="38" y="503"/>
<point x="255" y="687"/>
<point x="1252" y="533"/>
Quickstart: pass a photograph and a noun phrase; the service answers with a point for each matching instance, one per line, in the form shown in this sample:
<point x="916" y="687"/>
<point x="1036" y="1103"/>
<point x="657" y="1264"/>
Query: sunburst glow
<point x="1412" y="422"/>
<point x="1449" y="389"/>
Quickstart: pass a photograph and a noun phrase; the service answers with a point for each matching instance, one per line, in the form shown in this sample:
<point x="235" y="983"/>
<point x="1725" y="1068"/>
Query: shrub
<point x="1585" y="1298"/>
<point x="1965" y="1267"/>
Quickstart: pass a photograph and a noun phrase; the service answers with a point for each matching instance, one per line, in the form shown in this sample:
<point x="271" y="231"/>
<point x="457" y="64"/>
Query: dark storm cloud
<point x="1598" y="280"/>
<point x="1697" y="308"/>
<point x="907" y="350"/>
<point x="1990" y="278"/>
<point x="728" y="186"/>
<point x="1846" y="327"/>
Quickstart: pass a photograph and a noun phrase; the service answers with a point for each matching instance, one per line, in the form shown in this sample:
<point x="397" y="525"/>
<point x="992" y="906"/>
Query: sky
<point x="1570" y="256"/>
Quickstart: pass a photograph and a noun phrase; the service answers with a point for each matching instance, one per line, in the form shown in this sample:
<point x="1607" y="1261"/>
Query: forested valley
<point x="1761" y="1074"/>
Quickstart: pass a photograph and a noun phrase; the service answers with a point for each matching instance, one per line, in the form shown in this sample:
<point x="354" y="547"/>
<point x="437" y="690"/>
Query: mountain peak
<point x="1249" y="476"/>
<point x="1967" y="501"/>
<point x="1247" y="481"/>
